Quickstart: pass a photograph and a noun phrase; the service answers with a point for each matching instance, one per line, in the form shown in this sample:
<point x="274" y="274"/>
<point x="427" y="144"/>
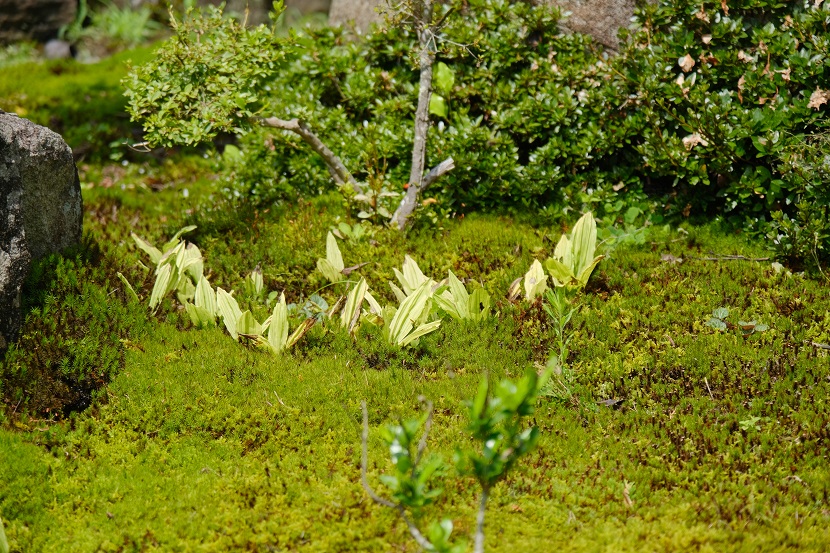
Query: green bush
<point x="726" y="96"/>
<point x="526" y="119"/>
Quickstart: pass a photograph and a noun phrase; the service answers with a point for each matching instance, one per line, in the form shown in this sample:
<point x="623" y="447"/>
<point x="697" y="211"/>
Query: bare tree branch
<point x="427" y="39"/>
<point x="338" y="171"/>
<point x="422" y="445"/>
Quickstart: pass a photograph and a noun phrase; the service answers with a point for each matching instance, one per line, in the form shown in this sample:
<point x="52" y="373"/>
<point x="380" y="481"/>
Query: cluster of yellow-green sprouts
<point x="422" y="301"/>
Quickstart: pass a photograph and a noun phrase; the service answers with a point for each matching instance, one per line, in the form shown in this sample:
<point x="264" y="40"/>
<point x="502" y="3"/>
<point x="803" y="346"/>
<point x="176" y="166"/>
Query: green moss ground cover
<point x="122" y="430"/>
<point x="199" y="443"/>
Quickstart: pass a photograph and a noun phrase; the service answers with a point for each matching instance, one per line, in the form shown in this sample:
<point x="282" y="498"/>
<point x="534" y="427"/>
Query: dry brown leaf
<point x="686" y="63"/>
<point x="724" y="7"/>
<point x="818" y="98"/>
<point x="702" y="15"/>
<point x="743" y="57"/>
<point x="817" y="3"/>
<point x="785" y="74"/>
<point x="693" y="140"/>
<point x="706" y="39"/>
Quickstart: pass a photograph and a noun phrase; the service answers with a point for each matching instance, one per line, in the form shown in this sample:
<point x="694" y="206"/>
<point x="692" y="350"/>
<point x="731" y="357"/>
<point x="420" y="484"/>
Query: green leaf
<point x="443" y="78"/>
<point x="535" y="281"/>
<point x="332" y="266"/>
<point x="255" y="283"/>
<point x="720" y="313"/>
<point x="477" y="407"/>
<point x="205" y="297"/>
<point x="149" y="249"/>
<point x="374" y="306"/>
<point x="425" y="328"/>
<point x="130" y="290"/>
<point x="584" y="239"/>
<point x="174" y="241"/>
<point x="351" y="311"/>
<point x="199" y="316"/>
<point x="333" y="255"/>
<point x="192" y="262"/>
<point x="588" y="269"/>
<point x="564" y="252"/>
<point x="717" y="324"/>
<point x="446" y="303"/>
<point x="411" y="277"/>
<point x="247" y="325"/>
<point x="299" y="332"/>
<point x="229" y="309"/>
<point x="164" y="276"/>
<point x="399" y="294"/>
<point x="561" y="274"/>
<point x="278" y="329"/>
<point x="479" y="305"/>
<point x="438" y="106"/>
<point x="409" y="312"/>
<point x="329" y="271"/>
<point x="459" y="294"/>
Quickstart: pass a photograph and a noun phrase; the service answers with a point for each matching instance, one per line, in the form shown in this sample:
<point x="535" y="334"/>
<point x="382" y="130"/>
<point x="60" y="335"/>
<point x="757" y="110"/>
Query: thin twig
<point x="419" y="538"/>
<point x="422" y="445"/>
<point x="730" y="258"/>
<point x="479" y="537"/>
<point x="817" y="344"/>
<point x="706" y="380"/>
<point x="338" y="171"/>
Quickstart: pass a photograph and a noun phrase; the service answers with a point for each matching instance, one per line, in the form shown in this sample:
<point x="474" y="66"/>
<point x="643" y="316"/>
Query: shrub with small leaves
<point x="209" y="78"/>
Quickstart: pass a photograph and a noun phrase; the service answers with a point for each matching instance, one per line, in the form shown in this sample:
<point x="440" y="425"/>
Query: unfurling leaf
<point x="535" y="281"/>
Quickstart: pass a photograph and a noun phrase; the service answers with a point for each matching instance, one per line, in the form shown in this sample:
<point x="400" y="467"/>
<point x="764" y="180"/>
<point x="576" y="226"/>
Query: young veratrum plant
<point x="496" y="424"/>
<point x="560" y="311"/>
<point x="461" y="305"/>
<point x="178" y="266"/>
<point x="399" y="325"/>
<point x="573" y="259"/>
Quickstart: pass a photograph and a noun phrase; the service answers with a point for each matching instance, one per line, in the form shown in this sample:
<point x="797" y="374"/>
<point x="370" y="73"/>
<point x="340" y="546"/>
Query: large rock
<point x="34" y="19"/>
<point x="601" y="19"/>
<point x="258" y="10"/>
<point x="40" y="208"/>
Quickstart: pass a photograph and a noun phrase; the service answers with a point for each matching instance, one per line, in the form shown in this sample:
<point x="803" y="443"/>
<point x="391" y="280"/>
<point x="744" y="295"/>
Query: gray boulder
<point x="34" y="19"/>
<point x="601" y="19"/>
<point x="360" y="13"/>
<point x="41" y="209"/>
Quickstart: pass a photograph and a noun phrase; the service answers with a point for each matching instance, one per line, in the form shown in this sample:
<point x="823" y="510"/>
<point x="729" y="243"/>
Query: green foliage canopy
<point x="210" y="78"/>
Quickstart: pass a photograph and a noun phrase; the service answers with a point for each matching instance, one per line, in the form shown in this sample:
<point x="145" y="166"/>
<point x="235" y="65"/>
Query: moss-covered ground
<point x="155" y="436"/>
